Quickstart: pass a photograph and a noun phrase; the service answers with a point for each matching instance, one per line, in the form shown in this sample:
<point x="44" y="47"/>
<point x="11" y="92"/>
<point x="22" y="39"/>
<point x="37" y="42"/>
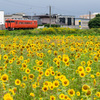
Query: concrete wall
<point x="47" y="20"/>
<point x="2" y="27"/>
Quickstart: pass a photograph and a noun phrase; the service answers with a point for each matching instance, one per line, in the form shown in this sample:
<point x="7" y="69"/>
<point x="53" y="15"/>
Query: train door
<point x="8" y="24"/>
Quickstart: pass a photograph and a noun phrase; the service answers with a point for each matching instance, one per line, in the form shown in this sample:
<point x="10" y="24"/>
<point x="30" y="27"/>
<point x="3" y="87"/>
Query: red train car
<point x="12" y="24"/>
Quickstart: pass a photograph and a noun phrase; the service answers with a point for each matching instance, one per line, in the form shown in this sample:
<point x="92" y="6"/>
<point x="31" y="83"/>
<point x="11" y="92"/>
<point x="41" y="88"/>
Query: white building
<point x="1" y="17"/>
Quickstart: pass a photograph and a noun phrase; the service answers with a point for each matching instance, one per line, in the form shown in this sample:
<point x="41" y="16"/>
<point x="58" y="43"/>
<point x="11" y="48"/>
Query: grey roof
<point x="81" y="19"/>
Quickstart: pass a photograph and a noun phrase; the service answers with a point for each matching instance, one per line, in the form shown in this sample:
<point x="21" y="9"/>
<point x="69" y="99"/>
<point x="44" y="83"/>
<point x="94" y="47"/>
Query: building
<point x="66" y="20"/>
<point x="91" y="16"/>
<point x="2" y="22"/>
<point x="14" y="16"/>
<point x="57" y="19"/>
<point x="1" y="17"/>
<point x="83" y="23"/>
<point x="45" y="19"/>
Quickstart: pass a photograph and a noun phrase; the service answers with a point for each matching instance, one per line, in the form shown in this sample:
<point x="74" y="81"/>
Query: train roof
<point x="21" y="19"/>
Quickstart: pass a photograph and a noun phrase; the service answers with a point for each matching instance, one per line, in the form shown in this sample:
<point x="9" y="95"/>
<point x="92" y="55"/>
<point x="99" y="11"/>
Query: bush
<point x="52" y="25"/>
<point x="95" y="22"/>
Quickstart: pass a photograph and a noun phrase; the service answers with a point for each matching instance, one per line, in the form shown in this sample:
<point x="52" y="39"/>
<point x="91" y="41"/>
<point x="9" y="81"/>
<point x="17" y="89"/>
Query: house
<point x="91" y="16"/>
<point x="82" y="22"/>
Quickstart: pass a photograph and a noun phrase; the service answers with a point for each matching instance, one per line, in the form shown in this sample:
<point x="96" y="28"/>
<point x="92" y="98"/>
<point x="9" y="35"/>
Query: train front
<point x="9" y="24"/>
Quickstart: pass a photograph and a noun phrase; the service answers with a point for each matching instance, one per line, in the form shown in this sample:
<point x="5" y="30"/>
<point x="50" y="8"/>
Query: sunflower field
<point x="50" y="67"/>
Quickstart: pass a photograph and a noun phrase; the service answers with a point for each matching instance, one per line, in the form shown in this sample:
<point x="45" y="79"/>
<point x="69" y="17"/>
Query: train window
<point x="10" y="21"/>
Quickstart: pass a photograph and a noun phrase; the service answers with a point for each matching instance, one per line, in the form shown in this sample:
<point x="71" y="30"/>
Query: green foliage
<point x="95" y="22"/>
<point x="52" y="31"/>
<point x="2" y="32"/>
<point x="98" y="15"/>
<point x="52" y="25"/>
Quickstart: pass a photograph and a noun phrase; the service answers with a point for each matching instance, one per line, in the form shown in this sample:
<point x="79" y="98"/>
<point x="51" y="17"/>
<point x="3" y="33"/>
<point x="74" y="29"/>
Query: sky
<point x="64" y="7"/>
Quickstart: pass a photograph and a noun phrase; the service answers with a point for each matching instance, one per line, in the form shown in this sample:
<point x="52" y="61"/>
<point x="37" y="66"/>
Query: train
<point x="12" y="24"/>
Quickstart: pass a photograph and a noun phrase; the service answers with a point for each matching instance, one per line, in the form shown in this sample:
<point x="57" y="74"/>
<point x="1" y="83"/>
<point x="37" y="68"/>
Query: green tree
<point x="95" y="22"/>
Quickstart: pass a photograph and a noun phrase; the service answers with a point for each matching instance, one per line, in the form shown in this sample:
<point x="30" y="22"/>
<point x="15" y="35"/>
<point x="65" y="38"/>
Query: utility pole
<point x="50" y="14"/>
<point x="89" y="15"/>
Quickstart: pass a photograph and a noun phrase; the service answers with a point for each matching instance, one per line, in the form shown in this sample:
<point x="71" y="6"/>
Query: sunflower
<point x="18" y="62"/>
<point x="67" y="64"/>
<point x="34" y="85"/>
<point x="40" y="63"/>
<point x="65" y="97"/>
<point x="65" y="82"/>
<point x="38" y="68"/>
<point x="23" y="85"/>
<point x="65" y="58"/>
<point x="85" y="87"/>
<point x="98" y="94"/>
<point x="17" y="82"/>
<point x="1" y="68"/>
<point x="82" y="74"/>
<point x="0" y="56"/>
<point x="24" y="78"/>
<point x="27" y="71"/>
<point x="61" y="96"/>
<point x="55" y="59"/>
<point x="96" y="59"/>
<point x="62" y="77"/>
<point x="52" y="97"/>
<point x="71" y="92"/>
<point x="51" y="87"/>
<point x="88" y="93"/>
<point x="94" y="82"/>
<point x="24" y="66"/>
<point x="45" y="88"/>
<point x="4" y="77"/>
<point x="46" y="83"/>
<point x="14" y="89"/>
<point x="58" y="74"/>
<point x="41" y="73"/>
<point x="5" y="57"/>
<point x="56" y="83"/>
<point x="59" y="57"/>
<point x="68" y="98"/>
<point x="34" y="67"/>
<point x="78" y="93"/>
<point x="80" y="68"/>
<point x="32" y="94"/>
<point x="88" y="69"/>
<point x="92" y="76"/>
<point x="55" y="53"/>
<point x="31" y="76"/>
<point x="47" y="73"/>
<point x="49" y="51"/>
<point x="8" y="96"/>
<point x="98" y="74"/>
<point x="83" y="63"/>
<point x="89" y="62"/>
<point x="52" y="73"/>
<point x="10" y="61"/>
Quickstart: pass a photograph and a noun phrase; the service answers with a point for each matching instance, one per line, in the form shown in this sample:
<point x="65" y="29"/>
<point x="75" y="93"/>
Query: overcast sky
<point x="65" y="7"/>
